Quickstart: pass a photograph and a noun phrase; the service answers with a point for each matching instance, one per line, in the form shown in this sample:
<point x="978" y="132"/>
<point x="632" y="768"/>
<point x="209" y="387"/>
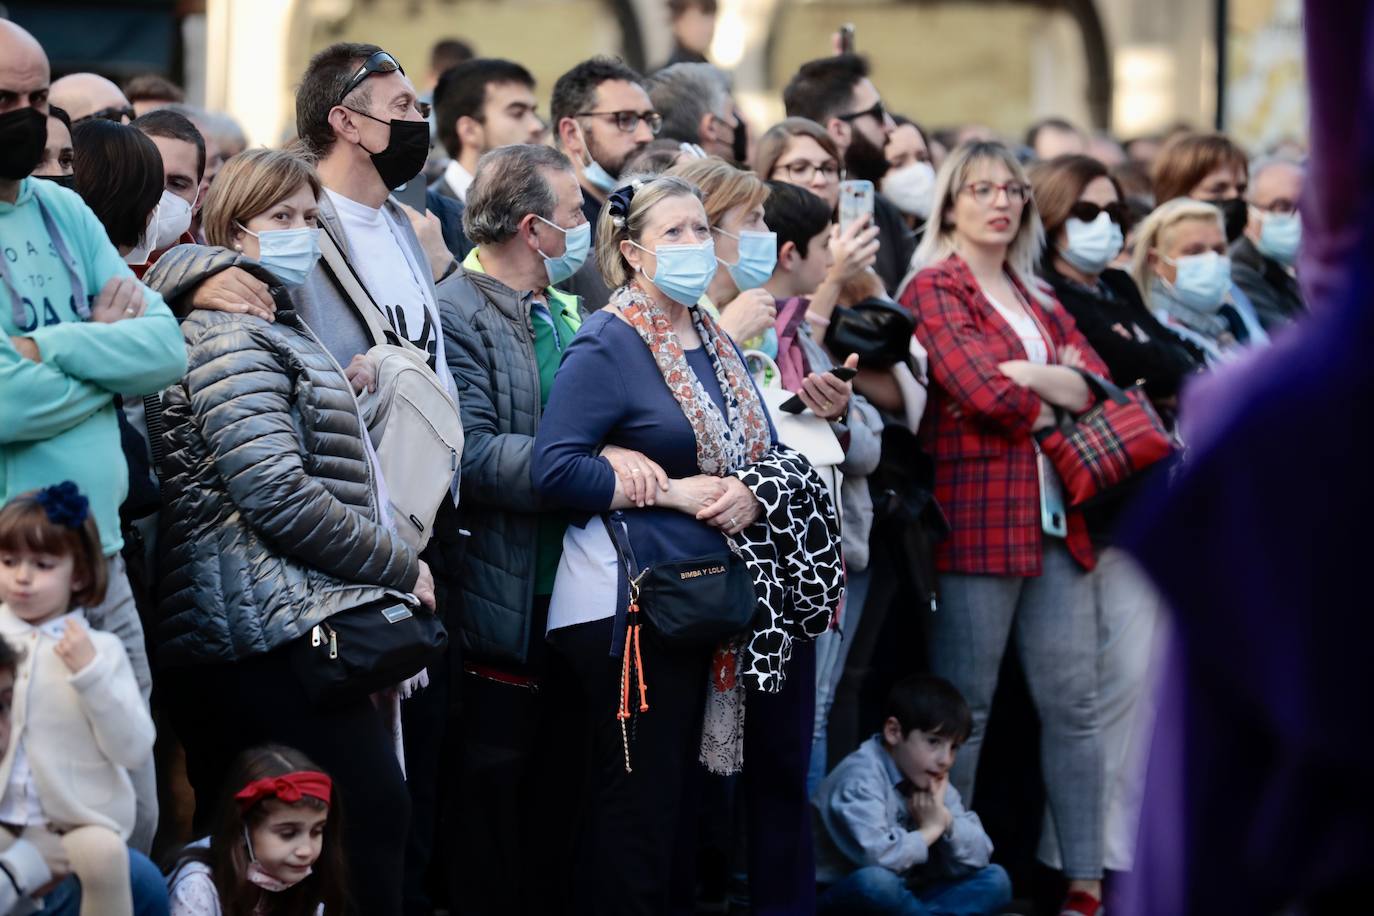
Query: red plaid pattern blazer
<point x="978" y="424"/>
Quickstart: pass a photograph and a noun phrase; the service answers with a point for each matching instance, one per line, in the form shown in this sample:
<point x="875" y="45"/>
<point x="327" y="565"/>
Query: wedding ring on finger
<point x="129" y="310"/>
<point x="732" y="521"/>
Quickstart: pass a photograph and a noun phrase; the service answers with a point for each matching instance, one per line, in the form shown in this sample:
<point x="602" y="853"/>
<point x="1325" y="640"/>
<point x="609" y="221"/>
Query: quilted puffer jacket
<point x="270" y="520"/>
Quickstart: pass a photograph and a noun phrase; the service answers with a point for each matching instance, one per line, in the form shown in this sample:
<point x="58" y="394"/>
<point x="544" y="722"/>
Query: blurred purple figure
<point x="1260" y="795"/>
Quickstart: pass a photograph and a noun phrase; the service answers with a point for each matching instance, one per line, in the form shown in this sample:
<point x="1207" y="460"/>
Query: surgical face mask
<point x="911" y="188"/>
<point x="601" y="179"/>
<point x="172" y="220"/>
<point x="577" y="241"/>
<point x="1280" y="237"/>
<point x="261" y="877"/>
<point x="682" y="272"/>
<point x="1090" y="247"/>
<point x="1201" y="280"/>
<point x="758" y="255"/>
<point x="289" y="253"/>
<point x="23" y="134"/>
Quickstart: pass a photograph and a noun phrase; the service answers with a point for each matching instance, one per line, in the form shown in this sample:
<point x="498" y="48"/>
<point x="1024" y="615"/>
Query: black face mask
<point x="23" y="134"/>
<point x="863" y="160"/>
<point x="66" y="181"/>
<point x="1236" y="213"/>
<point x="405" y="152"/>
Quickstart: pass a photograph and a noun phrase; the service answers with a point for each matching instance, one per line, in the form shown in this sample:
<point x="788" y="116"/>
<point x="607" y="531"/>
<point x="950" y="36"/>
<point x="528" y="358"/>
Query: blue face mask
<point x="593" y="172"/>
<point x="1201" y="280"/>
<point x="1280" y="237"/>
<point x="577" y="241"/>
<point x="758" y="255"/>
<point x="683" y="272"/>
<point x="289" y="253"/>
<point x="1090" y="247"/>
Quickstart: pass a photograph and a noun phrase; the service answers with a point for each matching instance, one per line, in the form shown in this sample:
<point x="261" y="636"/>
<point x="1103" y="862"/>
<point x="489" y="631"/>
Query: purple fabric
<point x="1259" y="790"/>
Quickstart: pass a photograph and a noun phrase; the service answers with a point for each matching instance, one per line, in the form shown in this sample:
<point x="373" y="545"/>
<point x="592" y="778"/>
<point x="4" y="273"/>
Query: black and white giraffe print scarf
<point x="793" y="551"/>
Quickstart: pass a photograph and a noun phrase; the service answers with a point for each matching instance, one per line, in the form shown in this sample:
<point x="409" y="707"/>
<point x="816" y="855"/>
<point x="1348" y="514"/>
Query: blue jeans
<point x="876" y="891"/>
<point x="145" y="880"/>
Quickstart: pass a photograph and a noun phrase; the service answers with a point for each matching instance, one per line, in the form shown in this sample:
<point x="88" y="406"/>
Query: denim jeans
<point x="832" y="648"/>
<point x="876" y="891"/>
<point x="145" y="881"/>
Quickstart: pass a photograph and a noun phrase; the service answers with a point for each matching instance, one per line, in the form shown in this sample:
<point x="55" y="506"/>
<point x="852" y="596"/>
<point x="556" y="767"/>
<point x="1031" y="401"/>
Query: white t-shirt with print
<point x="396" y="281"/>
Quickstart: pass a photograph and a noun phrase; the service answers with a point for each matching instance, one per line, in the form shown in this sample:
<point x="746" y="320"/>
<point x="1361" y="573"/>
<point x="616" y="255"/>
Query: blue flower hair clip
<point x="64" y="505"/>
<point x="619" y="204"/>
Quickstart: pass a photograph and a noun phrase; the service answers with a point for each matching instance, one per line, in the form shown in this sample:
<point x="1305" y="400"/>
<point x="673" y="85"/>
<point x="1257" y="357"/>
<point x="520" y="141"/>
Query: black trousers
<point x="638" y="839"/>
<point x="521" y="773"/>
<point x="219" y="711"/>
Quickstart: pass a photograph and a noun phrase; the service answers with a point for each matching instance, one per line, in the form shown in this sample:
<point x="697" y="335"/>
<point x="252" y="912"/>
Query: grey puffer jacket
<point x="270" y="520"/>
<point x="489" y="344"/>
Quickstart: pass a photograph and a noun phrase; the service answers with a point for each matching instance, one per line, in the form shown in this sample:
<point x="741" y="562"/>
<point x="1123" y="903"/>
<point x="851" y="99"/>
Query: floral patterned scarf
<point x="726" y="442"/>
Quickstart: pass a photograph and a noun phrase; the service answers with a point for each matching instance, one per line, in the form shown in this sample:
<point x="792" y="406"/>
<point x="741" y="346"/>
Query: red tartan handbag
<point x="1117" y="437"/>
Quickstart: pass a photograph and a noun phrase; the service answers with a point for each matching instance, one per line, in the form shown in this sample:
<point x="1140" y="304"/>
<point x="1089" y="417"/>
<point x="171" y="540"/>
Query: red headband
<point x="290" y="788"/>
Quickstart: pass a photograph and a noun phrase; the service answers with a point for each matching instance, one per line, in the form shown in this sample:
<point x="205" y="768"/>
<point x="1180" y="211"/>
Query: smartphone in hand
<point x="856" y="200"/>
<point x="412" y="193"/>
<point x="794" y="403"/>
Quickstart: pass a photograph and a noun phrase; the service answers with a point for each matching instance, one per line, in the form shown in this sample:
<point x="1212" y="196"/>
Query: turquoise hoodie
<point x="57" y="417"/>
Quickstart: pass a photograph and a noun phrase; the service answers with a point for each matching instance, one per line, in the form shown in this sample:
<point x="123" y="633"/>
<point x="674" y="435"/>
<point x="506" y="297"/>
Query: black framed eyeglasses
<point x="1087" y="212"/>
<point x="380" y="62"/>
<point x="627" y="121"/>
<point x="120" y="114"/>
<point x="878" y="111"/>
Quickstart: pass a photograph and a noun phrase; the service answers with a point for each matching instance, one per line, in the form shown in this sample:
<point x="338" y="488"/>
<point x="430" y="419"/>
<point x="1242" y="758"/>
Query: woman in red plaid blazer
<point x="1000" y="348"/>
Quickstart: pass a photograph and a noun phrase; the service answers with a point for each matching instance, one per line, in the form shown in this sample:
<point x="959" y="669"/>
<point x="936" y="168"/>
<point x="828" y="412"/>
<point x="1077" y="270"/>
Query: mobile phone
<point x="847" y="38"/>
<point x="794" y="403"/>
<point x="1054" y="515"/>
<point x="856" y="200"/>
<point x="412" y="193"/>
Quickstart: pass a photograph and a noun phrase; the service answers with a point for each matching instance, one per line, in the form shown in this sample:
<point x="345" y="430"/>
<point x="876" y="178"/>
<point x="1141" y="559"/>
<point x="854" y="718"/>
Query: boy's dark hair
<point x="153" y="87"/>
<point x="932" y="705"/>
<point x="678" y="8"/>
<point x="795" y="214"/>
<point x="160" y="122"/>
<point x="9" y="658"/>
<point x="824" y="88"/>
<point x="576" y="90"/>
<point x="119" y="176"/>
<point x="325" y="78"/>
<point x="462" y="90"/>
<point x="25" y="526"/>
<point x="227" y="856"/>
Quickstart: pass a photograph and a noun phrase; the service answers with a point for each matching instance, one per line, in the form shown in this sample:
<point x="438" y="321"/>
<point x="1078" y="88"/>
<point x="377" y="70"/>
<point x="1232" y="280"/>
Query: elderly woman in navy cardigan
<point x="653" y="374"/>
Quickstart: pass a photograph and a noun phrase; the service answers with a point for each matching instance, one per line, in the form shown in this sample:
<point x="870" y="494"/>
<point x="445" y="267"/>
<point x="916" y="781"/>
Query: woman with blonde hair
<point x="1000" y="350"/>
<point x="1183" y="270"/>
<point x="273" y="522"/>
<point x="670" y="384"/>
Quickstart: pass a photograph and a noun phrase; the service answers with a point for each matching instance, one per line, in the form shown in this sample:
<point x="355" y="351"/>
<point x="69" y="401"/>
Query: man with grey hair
<point x="1262" y="259"/>
<point x="696" y="106"/>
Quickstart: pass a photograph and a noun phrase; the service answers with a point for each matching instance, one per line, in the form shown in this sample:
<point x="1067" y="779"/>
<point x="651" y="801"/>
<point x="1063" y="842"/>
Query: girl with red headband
<point x="274" y="850"/>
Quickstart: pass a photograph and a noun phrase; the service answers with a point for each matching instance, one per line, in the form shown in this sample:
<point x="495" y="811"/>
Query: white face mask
<point x="169" y="219"/>
<point x="1090" y="247"/>
<point x="911" y="188"/>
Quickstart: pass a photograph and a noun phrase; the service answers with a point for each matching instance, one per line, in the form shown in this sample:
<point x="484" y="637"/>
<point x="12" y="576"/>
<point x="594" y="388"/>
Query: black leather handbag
<point x="361" y="650"/>
<point x="696" y="602"/>
<point x="877" y="330"/>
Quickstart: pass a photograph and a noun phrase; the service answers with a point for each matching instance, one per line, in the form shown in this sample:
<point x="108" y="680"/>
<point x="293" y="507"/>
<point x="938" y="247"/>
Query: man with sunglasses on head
<point x="602" y="117"/>
<point x="837" y="94"/>
<point x="90" y="95"/>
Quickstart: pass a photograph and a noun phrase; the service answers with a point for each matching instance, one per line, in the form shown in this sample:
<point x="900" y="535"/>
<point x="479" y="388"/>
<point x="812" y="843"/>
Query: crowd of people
<point x="621" y="523"/>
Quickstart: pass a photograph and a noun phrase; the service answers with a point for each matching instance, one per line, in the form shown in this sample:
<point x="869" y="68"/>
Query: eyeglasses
<point x="878" y="111"/>
<point x="1087" y="212"/>
<point x="985" y="192"/>
<point x="803" y="172"/>
<point x="380" y="62"/>
<point x="1280" y="206"/>
<point x="120" y="114"/>
<point x="627" y="121"/>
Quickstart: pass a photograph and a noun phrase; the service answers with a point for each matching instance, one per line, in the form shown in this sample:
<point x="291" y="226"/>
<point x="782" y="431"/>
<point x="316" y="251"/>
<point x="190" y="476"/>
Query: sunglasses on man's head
<point x="380" y="62"/>
<point x="120" y="114"/>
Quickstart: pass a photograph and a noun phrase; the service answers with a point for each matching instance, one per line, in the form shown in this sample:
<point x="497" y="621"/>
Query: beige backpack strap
<point x="363" y="303"/>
